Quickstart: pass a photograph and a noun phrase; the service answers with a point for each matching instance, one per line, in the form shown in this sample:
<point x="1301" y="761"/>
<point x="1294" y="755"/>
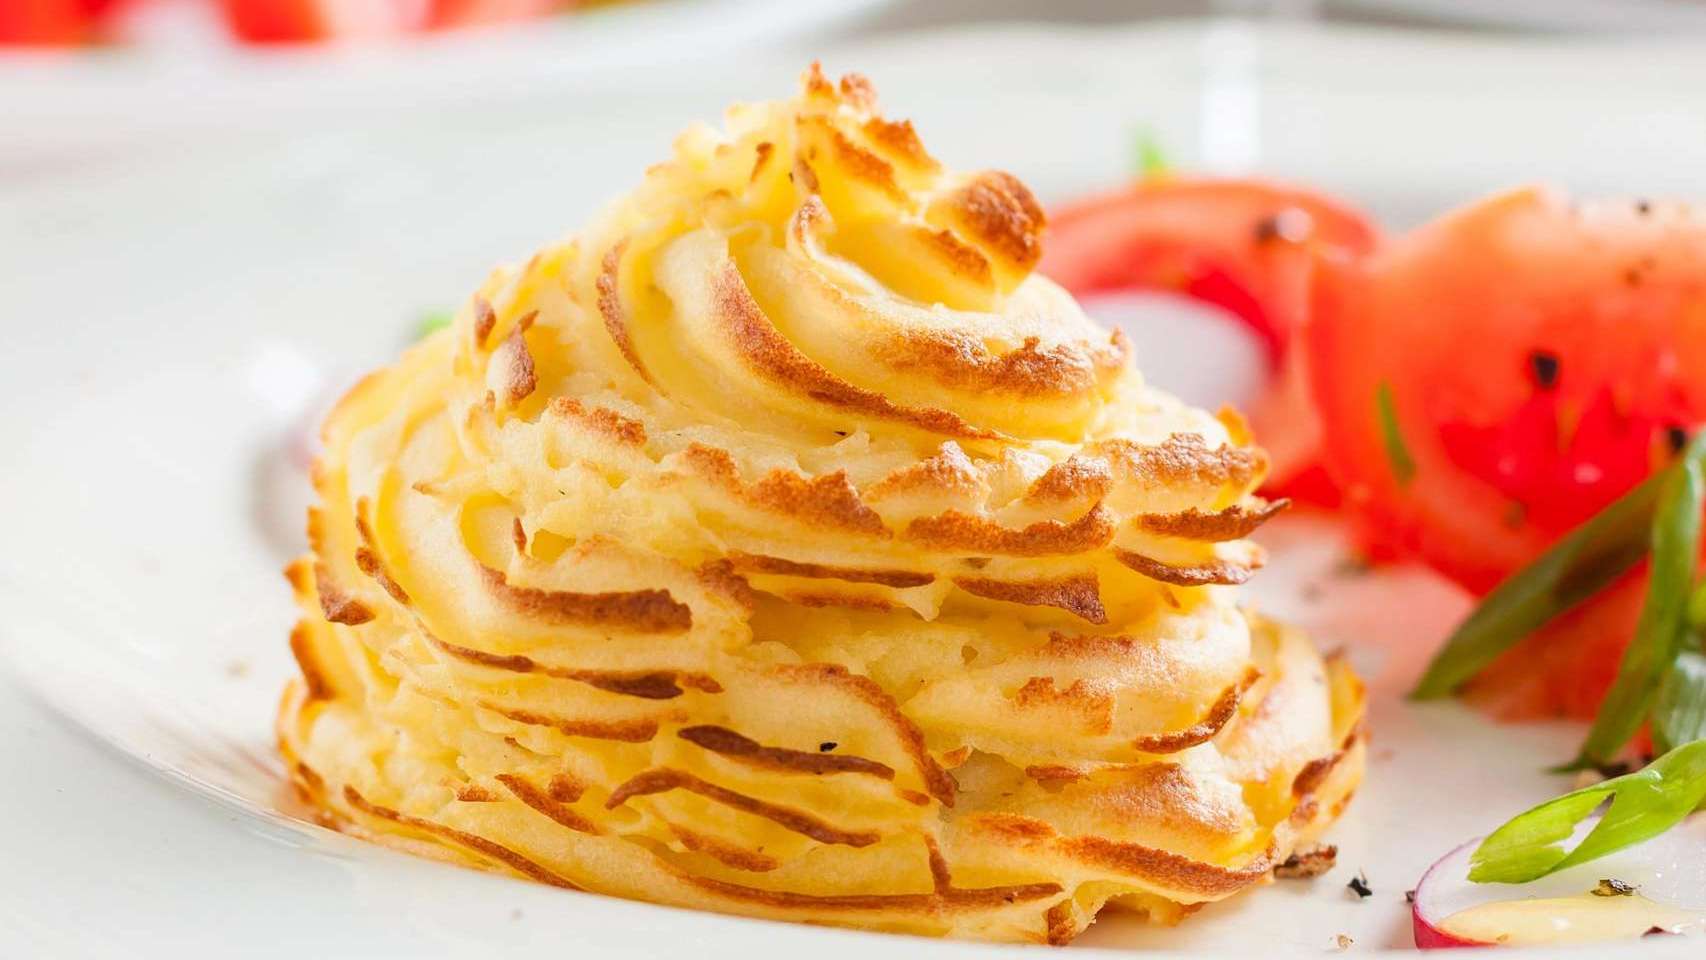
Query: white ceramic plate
<point x="169" y="325"/>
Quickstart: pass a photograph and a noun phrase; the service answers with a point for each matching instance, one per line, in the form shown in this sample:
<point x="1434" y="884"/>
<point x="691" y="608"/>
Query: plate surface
<point x="172" y="326"/>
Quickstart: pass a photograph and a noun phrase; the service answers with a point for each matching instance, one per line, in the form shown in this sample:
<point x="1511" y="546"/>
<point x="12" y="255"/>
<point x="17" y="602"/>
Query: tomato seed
<point x="1543" y="364"/>
<point x="1677" y="437"/>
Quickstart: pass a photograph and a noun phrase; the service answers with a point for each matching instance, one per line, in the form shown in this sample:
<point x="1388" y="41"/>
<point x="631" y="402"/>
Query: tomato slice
<point x="1247" y="246"/>
<point x="1250" y="247"/>
<point x="1494" y="378"/>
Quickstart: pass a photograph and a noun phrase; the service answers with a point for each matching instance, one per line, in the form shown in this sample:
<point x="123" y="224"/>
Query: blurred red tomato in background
<point x="76" y="22"/>
<point x="48" y="22"/>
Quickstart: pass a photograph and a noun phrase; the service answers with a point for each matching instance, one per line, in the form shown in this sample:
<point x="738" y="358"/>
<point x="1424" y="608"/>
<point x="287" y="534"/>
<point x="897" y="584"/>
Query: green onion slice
<point x="433" y="321"/>
<point x="1697" y="608"/>
<point x="1644" y="804"/>
<point x="1679" y="709"/>
<point x="1578" y="566"/>
<point x="1397" y="452"/>
<point x="1664" y="615"/>
<point x="1152" y="162"/>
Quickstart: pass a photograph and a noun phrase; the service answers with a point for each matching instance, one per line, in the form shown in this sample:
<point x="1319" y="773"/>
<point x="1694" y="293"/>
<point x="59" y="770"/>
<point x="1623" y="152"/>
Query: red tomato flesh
<point x="44" y="22"/>
<point x="1541" y="358"/>
<point x="1247" y="246"/>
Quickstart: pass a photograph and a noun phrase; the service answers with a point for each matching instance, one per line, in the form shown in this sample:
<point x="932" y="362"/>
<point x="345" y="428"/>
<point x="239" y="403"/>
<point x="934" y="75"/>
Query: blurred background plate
<point x="1598" y="16"/>
<point x="184" y="79"/>
<point x="179" y="309"/>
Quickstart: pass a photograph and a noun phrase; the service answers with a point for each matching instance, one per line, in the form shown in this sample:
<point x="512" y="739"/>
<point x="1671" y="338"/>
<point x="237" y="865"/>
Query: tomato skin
<point x="1248" y="246"/>
<point x="1452" y="321"/>
<point x="44" y="22"/>
<point x="1215" y="239"/>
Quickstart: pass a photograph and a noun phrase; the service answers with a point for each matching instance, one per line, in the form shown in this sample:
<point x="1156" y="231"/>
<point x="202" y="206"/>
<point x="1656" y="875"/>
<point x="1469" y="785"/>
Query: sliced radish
<point x="1448" y="872"/>
<point x="1667" y="875"/>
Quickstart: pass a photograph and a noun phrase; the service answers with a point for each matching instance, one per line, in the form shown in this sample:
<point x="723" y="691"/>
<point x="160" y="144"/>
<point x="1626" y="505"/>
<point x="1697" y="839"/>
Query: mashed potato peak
<point x="782" y="545"/>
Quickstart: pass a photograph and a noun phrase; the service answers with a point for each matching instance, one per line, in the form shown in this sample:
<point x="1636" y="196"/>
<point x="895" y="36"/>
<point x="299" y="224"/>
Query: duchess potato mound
<point x="782" y="545"/>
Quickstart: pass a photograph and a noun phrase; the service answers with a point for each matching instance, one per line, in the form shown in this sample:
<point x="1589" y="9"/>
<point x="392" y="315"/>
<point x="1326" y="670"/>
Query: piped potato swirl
<point x="783" y="545"/>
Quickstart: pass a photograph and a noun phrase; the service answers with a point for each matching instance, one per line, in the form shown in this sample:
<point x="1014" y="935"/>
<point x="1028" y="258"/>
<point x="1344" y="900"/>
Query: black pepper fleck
<point x="1543" y="365"/>
<point x="1359" y="886"/>
<point x="826" y="746"/>
<point x="1290" y="225"/>
<point x="1609" y="887"/>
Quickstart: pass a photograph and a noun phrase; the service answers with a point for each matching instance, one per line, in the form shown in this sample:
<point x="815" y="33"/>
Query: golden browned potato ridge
<point x="782" y="545"/>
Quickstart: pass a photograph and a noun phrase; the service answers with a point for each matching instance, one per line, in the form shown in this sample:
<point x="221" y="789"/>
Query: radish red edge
<point x="1427" y="933"/>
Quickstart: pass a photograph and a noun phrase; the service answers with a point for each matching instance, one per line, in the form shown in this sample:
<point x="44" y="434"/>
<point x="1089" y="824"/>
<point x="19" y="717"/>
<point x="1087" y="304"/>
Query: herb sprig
<point x="1578" y="566"/>
<point x="1643" y="805"/>
<point x="1659" y="635"/>
<point x="1661" y="679"/>
<point x="431" y="322"/>
<point x="1662" y="676"/>
<point x="1392" y="437"/>
<point x="1151" y="158"/>
<point x="1679" y="710"/>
